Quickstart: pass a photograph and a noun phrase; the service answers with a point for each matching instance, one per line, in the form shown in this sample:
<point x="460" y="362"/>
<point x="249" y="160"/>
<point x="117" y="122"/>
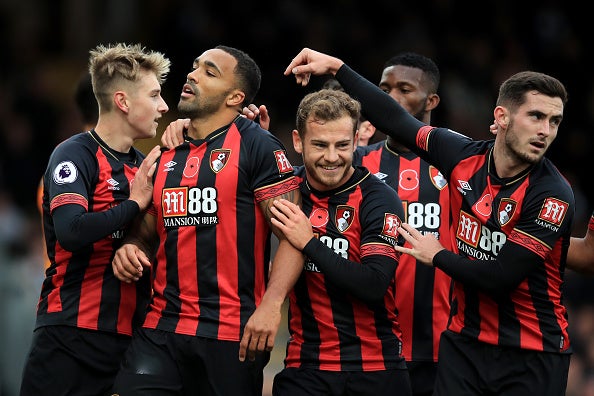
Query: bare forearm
<point x="286" y="268"/>
<point x="580" y="256"/>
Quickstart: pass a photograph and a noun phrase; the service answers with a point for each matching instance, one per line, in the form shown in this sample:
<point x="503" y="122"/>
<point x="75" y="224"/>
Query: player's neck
<point x="200" y="128"/>
<point x="114" y="136"/>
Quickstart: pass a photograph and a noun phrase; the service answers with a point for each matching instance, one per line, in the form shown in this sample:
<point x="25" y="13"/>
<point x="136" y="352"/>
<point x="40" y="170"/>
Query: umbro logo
<point x="113" y="184"/>
<point x="463" y="186"/>
<point x="168" y="167"/>
<point x="381" y="176"/>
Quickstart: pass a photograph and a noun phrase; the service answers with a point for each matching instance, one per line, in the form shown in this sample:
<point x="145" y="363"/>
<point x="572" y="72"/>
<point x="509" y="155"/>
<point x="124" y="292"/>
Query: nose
<point x="545" y="128"/>
<point x="163" y="108"/>
<point x="192" y="75"/>
<point x="331" y="154"/>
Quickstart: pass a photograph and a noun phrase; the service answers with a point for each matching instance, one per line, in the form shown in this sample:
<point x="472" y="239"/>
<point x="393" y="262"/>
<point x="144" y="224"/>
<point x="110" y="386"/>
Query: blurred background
<point x="45" y="48"/>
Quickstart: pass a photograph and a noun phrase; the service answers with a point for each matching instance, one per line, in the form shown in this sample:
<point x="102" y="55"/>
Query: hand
<point x="129" y="262"/>
<point x="493" y="128"/>
<point x="260" y="331"/>
<point x="252" y="112"/>
<point x="309" y="62"/>
<point x="141" y="187"/>
<point x="423" y="247"/>
<point x="292" y="222"/>
<point x="174" y="133"/>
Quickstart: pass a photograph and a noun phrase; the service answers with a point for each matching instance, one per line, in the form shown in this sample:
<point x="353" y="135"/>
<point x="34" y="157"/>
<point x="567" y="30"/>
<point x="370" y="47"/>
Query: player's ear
<point x="235" y="98"/>
<point x="120" y="100"/>
<point x="501" y="115"/>
<point x="297" y="142"/>
<point x="432" y="101"/>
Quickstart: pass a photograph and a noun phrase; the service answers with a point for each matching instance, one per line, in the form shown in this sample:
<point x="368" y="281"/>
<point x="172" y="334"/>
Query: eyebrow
<point x="207" y="63"/>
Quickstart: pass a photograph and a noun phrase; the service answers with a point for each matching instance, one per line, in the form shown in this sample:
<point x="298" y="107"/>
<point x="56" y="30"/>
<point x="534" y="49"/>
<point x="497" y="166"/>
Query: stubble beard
<point x="199" y="109"/>
<point x="513" y="145"/>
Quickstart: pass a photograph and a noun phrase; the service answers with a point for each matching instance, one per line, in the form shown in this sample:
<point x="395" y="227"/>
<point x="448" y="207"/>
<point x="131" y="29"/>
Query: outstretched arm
<point x="378" y="107"/>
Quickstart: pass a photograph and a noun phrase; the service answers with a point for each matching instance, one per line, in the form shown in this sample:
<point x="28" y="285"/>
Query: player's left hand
<point x="173" y="135"/>
<point x="423" y="247"/>
<point x="258" y="114"/>
<point x="260" y="331"/>
<point x="292" y="222"/>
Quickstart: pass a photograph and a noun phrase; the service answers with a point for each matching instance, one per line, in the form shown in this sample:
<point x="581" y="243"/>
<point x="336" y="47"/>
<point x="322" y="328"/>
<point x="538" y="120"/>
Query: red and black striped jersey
<point x="214" y="241"/>
<point x="591" y="223"/>
<point x="331" y="328"/>
<point x="516" y="230"/>
<point x="422" y="293"/>
<point x="80" y="288"/>
<point x="533" y="211"/>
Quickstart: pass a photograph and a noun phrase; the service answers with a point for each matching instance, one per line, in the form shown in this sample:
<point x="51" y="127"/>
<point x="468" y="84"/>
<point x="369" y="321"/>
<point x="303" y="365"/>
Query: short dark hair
<point x="418" y="61"/>
<point x="247" y="71"/>
<point x="512" y="91"/>
<point x="332" y="83"/>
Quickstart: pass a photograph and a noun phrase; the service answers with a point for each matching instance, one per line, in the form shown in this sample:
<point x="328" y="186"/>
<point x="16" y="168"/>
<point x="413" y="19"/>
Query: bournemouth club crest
<point x="218" y="159"/>
<point x="344" y="217"/>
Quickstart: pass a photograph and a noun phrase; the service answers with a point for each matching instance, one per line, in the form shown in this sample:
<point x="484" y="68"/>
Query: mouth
<point x="539" y="145"/>
<point x="187" y="90"/>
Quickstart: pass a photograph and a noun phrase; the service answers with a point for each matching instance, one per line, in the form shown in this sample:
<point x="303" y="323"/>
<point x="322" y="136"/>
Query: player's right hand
<point x="129" y="262"/>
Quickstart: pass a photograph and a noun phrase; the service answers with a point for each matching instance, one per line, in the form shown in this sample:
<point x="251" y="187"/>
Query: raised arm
<point x="378" y="107"/>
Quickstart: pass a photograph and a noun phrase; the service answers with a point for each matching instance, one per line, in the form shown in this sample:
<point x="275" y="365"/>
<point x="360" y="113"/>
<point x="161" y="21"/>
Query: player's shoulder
<point x="75" y="145"/>
<point x="247" y="127"/>
<point x="372" y="182"/>
<point x="546" y="176"/>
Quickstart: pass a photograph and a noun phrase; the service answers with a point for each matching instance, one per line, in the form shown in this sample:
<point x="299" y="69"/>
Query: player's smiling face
<point x="327" y="150"/>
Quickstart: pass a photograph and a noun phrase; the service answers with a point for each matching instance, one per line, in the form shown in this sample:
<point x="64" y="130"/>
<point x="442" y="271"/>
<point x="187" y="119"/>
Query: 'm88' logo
<point x="181" y="201"/>
<point x="420" y="215"/>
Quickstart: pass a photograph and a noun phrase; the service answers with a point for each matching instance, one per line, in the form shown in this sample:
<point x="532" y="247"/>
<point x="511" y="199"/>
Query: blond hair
<point x="115" y="64"/>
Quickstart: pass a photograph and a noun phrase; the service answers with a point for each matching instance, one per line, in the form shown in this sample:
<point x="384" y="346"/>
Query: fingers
<point x="251" y="111"/>
<point x="409" y="233"/>
<point x="282" y="210"/>
<point x="410" y="229"/>
<point x="264" y="117"/>
<point x="286" y="206"/>
<point x="254" y="342"/>
<point x="243" y="345"/>
<point x="299" y="67"/>
<point x="154" y="154"/>
<point x="128" y="263"/>
<point x="174" y="133"/>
